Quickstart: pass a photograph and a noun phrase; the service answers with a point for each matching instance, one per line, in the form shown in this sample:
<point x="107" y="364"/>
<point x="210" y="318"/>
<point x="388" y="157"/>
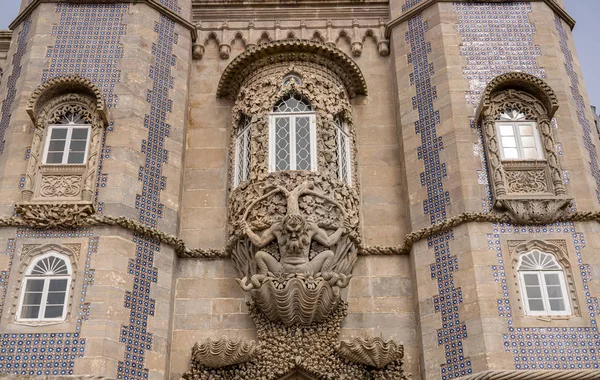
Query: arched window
<point x="542" y="281"/>
<point x="243" y="151"/>
<point x="292" y="135"/>
<point x="45" y="288"/>
<point x="342" y="142"/>
<point x="67" y="141"/>
<point x="518" y="137"/>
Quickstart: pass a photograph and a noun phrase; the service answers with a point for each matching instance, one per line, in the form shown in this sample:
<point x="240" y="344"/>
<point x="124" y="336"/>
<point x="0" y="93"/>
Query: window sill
<point x="39" y="323"/>
<point x="530" y="321"/>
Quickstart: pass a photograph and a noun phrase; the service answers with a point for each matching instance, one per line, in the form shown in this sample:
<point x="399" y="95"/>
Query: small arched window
<point x="67" y="141"/>
<point x="542" y="281"/>
<point x="243" y="151"/>
<point x="518" y="137"/>
<point x="45" y="289"/>
<point x="342" y="142"/>
<point x="292" y="135"/>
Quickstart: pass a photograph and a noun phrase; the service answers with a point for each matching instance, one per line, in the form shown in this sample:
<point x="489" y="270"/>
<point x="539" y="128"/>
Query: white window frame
<point x="517" y="134"/>
<point x="242" y="166"/>
<point x="547" y="312"/>
<point x="47" y="278"/>
<point x="343" y="152"/>
<point x="272" y="136"/>
<point x="70" y="129"/>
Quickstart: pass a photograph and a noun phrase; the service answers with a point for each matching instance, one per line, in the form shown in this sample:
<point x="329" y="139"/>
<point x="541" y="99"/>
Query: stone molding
<point x="255" y="33"/>
<point x="255" y="58"/>
<point x="535" y="375"/>
<point x="155" y="4"/>
<point x="425" y="4"/>
<point x="531" y="190"/>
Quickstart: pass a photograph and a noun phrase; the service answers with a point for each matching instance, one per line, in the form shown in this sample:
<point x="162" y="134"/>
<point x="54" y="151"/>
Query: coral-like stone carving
<point x="47" y="215"/>
<point x="537" y="211"/>
<point x="60" y="185"/>
<point x="310" y="349"/>
<point x="374" y="352"/>
<point x="526" y="181"/>
<point x="223" y="352"/>
<point x="294" y="298"/>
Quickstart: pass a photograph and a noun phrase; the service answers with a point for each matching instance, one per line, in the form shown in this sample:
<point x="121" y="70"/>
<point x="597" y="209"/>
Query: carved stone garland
<point x="532" y="191"/>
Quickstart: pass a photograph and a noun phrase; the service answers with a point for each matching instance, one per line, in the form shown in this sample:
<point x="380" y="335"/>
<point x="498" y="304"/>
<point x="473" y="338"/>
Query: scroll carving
<point x="526" y="181"/>
<point x="60" y="186"/>
<point x="531" y="191"/>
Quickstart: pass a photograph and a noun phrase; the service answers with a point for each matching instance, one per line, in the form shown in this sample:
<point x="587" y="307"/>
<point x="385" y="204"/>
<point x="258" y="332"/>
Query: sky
<point x="586" y="34"/>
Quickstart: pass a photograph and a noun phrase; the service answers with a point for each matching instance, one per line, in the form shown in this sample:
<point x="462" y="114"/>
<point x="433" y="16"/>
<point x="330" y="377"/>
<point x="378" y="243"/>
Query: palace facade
<point x="262" y="189"/>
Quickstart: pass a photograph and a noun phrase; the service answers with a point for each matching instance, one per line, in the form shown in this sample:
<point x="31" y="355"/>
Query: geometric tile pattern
<point x="548" y="348"/>
<point x="48" y="353"/>
<point x="409" y="4"/>
<point x="135" y="335"/>
<point x="582" y="108"/>
<point x="449" y="297"/>
<point x="11" y="84"/>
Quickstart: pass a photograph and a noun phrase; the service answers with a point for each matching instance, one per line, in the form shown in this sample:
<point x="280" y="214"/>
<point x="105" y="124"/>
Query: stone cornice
<point x="151" y="3"/>
<point x="422" y="6"/>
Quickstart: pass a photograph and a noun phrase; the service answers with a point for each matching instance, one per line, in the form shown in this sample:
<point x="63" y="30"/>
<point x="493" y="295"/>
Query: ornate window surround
<point x="559" y="248"/>
<point x="530" y="190"/>
<point x="29" y="254"/>
<point x="63" y="185"/>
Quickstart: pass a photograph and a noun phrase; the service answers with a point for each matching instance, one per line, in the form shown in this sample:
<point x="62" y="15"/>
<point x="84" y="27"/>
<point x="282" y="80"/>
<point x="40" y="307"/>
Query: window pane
<point x="56" y="298"/>
<point x="531" y="279"/>
<point x="79" y="134"/>
<point x="75" y="158"/>
<point x="34" y="285"/>
<point x="303" y="153"/>
<point x="554" y="292"/>
<point x="53" y="311"/>
<point x="58" y="285"/>
<point x="526" y="130"/>
<point x="506" y="130"/>
<point x="536" y="305"/>
<point x="552" y="279"/>
<point x="54" y="158"/>
<point x="77" y="146"/>
<point x="530" y="153"/>
<point x="58" y="134"/>
<point x="56" y="146"/>
<point x="528" y="141"/>
<point x="509" y="142"/>
<point x="30" y="311"/>
<point x="32" y="298"/>
<point x="282" y="143"/>
<point x="534" y="292"/>
<point x="511" y="153"/>
<point x="557" y="305"/>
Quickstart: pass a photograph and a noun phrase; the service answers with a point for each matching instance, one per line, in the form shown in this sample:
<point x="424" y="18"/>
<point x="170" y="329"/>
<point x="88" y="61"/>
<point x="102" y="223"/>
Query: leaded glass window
<point x="243" y="151"/>
<point x="518" y="138"/>
<point x="342" y="149"/>
<point x="45" y="289"/>
<point x="292" y="142"/>
<point x="67" y="141"/>
<point x="543" y="285"/>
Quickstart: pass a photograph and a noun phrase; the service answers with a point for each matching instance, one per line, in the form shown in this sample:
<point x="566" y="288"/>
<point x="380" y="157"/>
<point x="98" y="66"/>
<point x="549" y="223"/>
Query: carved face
<point x="294" y="228"/>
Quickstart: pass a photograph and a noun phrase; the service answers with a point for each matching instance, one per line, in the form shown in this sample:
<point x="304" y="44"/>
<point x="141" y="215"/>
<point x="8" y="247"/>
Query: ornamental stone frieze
<point x="294" y="234"/>
<point x="251" y="34"/>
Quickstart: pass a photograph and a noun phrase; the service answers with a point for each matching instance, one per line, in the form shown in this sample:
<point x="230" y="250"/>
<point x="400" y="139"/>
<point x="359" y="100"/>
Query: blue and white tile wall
<point x="498" y="38"/>
<point x="135" y="336"/>
<point x="449" y="297"/>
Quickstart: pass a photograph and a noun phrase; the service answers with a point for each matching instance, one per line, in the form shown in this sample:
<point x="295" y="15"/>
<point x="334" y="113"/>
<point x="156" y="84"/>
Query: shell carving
<point x="297" y="298"/>
<point x="223" y="352"/>
<point x="374" y="352"/>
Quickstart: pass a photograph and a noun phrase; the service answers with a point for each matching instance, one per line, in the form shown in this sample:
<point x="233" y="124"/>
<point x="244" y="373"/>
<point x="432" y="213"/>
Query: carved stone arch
<point x="28" y="256"/>
<point x="532" y="191"/>
<point x="557" y="249"/>
<point x="344" y="35"/>
<point x="265" y="38"/>
<point x="212" y="36"/>
<point x="370" y="33"/>
<point x="239" y="36"/>
<point x="317" y="36"/>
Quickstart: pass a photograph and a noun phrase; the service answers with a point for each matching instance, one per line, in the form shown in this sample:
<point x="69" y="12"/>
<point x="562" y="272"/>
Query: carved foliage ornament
<point x="530" y="190"/>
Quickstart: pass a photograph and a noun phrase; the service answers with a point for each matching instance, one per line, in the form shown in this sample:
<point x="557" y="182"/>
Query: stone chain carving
<point x="223" y="352"/>
<point x="526" y="181"/>
<point x="535" y="375"/>
<point x="60" y="185"/>
<point x="45" y="215"/>
<point x="283" y="349"/>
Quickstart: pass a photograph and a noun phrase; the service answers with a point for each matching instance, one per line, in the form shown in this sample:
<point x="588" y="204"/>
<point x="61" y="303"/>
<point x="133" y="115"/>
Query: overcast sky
<point x="586" y="32"/>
